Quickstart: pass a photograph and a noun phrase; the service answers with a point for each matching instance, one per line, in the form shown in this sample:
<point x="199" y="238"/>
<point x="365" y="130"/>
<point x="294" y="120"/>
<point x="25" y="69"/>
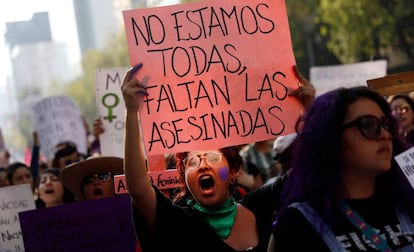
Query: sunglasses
<point x="211" y="157"/>
<point x="103" y="176"/>
<point x="370" y="126"/>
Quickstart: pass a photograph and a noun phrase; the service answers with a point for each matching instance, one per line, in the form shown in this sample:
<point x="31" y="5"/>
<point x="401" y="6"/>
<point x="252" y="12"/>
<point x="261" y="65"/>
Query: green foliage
<point x="82" y="90"/>
<point x="353" y="26"/>
<point x="364" y="29"/>
<point x="322" y="32"/>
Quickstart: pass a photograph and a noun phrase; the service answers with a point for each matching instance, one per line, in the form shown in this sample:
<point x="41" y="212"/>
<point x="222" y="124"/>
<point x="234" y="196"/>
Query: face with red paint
<point x="208" y="177"/>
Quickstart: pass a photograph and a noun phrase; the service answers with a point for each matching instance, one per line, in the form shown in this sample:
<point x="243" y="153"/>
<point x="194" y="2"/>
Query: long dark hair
<point x="68" y="197"/>
<point x="316" y="174"/>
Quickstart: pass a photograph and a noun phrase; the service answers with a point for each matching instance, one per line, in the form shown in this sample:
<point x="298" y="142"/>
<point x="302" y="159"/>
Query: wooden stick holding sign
<point x="393" y="84"/>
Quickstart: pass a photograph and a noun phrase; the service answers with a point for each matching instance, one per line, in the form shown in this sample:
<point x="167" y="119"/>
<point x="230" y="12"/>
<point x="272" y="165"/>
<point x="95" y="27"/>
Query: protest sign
<point x="56" y="119"/>
<point x="158" y="176"/>
<point x="327" y="78"/>
<point x="14" y="199"/>
<point x="166" y="179"/>
<point x="91" y="225"/>
<point x="217" y="73"/>
<point x="111" y="108"/>
<point x="406" y="162"/>
<point x="393" y="84"/>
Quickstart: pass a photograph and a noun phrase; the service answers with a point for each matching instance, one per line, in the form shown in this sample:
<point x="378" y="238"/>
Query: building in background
<point x="100" y="20"/>
<point x="38" y="63"/>
<point x="39" y="67"/>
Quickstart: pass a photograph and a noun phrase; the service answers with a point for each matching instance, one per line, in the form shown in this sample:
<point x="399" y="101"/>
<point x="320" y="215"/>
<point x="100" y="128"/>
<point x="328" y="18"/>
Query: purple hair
<point x="316" y="176"/>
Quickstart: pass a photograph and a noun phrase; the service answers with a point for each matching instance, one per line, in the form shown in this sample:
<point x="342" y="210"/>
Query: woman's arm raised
<point x="139" y="187"/>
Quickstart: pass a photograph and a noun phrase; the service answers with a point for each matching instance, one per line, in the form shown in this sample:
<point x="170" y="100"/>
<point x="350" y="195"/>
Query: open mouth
<point x="206" y="182"/>
<point x="49" y="191"/>
<point x="97" y="192"/>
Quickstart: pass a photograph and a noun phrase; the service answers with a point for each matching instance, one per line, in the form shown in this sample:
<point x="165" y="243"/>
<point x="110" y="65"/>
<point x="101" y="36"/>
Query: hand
<point x="98" y="128"/>
<point x="305" y="93"/>
<point x="133" y="90"/>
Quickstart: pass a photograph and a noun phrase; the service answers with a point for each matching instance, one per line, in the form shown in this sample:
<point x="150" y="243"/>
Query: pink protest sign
<point x="217" y="73"/>
<point x="166" y="179"/>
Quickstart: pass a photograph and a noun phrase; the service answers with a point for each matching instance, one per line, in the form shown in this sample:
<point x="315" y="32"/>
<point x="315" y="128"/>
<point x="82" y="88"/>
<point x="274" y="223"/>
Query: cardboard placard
<point x="56" y="119"/>
<point x="327" y="78"/>
<point x="111" y="108"/>
<point x="13" y="200"/>
<point x="217" y="73"/>
<point x="87" y="226"/>
<point x="393" y="84"/>
<point x="166" y="179"/>
<point x="406" y="162"/>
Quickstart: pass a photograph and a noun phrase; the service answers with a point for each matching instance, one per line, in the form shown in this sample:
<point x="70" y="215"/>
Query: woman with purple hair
<point x="348" y="194"/>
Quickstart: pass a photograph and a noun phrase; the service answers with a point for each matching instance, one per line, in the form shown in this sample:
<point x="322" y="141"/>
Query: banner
<point x="217" y="73"/>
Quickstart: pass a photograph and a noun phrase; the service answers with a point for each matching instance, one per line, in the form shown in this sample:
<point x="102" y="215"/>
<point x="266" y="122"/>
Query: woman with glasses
<point x="92" y="178"/>
<point x="212" y="220"/>
<point x="402" y="108"/>
<point x="348" y="194"/>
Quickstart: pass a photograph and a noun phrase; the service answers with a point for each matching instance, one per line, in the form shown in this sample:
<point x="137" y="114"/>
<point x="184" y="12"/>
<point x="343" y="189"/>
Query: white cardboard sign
<point x="327" y="78"/>
<point x="111" y="108"/>
<point x="13" y="199"/>
<point x="56" y="119"/>
<point x="406" y="162"/>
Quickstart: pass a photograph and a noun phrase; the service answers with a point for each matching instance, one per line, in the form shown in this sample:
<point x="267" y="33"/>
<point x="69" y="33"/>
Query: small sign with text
<point x="406" y="162"/>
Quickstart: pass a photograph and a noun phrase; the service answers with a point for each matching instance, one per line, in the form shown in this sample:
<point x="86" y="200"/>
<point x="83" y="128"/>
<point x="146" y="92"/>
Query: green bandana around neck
<point x="220" y="219"/>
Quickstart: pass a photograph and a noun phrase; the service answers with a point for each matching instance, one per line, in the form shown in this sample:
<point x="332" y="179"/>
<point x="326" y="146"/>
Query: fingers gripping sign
<point x="305" y="93"/>
<point x="133" y="90"/>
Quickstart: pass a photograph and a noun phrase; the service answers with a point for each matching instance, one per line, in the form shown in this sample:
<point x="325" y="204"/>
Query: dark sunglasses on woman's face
<point x="103" y="176"/>
<point x="370" y="126"/>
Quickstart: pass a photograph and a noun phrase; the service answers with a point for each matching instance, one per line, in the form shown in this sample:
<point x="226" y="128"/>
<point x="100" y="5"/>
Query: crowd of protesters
<point x="276" y="195"/>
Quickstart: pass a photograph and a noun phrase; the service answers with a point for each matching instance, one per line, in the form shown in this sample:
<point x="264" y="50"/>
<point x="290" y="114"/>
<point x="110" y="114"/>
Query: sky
<point x="63" y="28"/>
<point x="62" y="22"/>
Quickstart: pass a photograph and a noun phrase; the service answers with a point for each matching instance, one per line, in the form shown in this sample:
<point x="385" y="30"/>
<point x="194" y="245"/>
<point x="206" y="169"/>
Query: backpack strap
<point x="318" y="225"/>
<point x="407" y="226"/>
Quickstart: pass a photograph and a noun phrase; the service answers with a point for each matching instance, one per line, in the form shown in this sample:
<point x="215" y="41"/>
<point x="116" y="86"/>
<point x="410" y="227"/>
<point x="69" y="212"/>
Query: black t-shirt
<point x="177" y="229"/>
<point x="294" y="233"/>
<point x="263" y="202"/>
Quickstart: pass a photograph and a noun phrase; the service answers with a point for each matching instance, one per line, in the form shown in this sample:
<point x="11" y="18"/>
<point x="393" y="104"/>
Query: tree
<point x="82" y="90"/>
<point x="362" y="29"/>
